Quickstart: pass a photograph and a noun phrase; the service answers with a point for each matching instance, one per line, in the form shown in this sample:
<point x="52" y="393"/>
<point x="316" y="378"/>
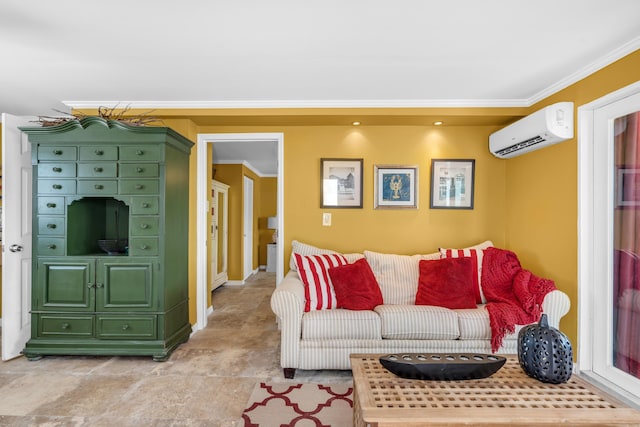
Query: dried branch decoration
<point x="104" y="113"/>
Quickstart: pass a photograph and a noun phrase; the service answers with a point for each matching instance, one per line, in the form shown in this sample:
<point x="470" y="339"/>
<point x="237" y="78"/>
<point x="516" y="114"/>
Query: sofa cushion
<point x="417" y="322"/>
<point x="314" y="272"/>
<point x="446" y="283"/>
<point x="355" y="286"/>
<point x="397" y="276"/>
<point x="306" y="249"/>
<point x="474" y="325"/>
<point x="341" y="324"/>
<point x="475" y="253"/>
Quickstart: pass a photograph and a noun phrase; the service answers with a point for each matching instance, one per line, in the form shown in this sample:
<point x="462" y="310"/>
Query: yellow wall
<point x="542" y="193"/>
<point x="268" y="199"/>
<point x="232" y="176"/>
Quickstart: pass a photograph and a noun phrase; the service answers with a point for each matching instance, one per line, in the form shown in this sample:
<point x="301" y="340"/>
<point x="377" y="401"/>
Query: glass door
<point x="616" y="284"/>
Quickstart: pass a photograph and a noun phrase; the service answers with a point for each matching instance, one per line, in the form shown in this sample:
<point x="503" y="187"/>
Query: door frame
<point x="247" y="225"/>
<point x="590" y="260"/>
<point x="203" y="140"/>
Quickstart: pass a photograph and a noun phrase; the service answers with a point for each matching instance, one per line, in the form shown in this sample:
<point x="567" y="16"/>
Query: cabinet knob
<point x="65" y="325"/>
<point x="57" y="169"/>
<point x="99" y="152"/>
<point x="51" y="205"/>
<point x="125" y="327"/>
<point x="99" y="285"/>
<point x="139" y="152"/>
<point x="52" y="226"/>
<point x="51" y="246"/>
<point x="57" y="152"/>
<point x="139" y="186"/>
<point x="57" y="186"/>
<point x="144" y="247"/>
<point x="90" y="285"/>
<point x="144" y="226"/>
<point x="98" y="186"/>
<point x="145" y="205"/>
<point x="139" y="170"/>
<point x="97" y="169"/>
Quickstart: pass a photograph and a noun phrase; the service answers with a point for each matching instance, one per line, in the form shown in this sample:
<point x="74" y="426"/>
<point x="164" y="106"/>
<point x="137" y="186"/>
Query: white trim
<point x="591" y="244"/>
<point x="596" y="65"/>
<point x="202" y="210"/>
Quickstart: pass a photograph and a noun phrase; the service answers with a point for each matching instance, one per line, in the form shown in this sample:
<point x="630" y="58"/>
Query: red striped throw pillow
<point x="476" y="259"/>
<point x="314" y="272"/>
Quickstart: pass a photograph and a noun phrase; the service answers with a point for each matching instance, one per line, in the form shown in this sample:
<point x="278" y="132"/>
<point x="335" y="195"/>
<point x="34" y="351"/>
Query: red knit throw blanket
<point x="514" y="295"/>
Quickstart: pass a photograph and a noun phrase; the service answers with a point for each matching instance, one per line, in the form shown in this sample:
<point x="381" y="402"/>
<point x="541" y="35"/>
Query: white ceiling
<point x="292" y="53"/>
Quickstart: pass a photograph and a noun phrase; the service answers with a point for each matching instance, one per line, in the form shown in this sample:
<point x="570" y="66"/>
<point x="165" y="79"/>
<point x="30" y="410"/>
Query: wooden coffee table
<point x="508" y="397"/>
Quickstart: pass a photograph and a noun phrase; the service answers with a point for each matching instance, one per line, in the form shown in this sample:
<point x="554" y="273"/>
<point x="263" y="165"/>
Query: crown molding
<point x="602" y="62"/>
<point x="599" y="64"/>
<point x="274" y="104"/>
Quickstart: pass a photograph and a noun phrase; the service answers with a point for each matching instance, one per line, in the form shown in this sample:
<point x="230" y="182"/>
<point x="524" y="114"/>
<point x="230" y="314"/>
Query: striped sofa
<point x="324" y="339"/>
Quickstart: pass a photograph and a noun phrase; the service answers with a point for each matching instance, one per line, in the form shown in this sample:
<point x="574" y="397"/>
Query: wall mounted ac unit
<point x="545" y="127"/>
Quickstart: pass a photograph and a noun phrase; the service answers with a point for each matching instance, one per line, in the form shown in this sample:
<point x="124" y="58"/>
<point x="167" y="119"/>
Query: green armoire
<point x="110" y="239"/>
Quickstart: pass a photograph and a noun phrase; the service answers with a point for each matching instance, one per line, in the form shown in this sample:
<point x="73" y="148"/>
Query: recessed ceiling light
<point x="438" y="123"/>
<point x="356" y="123"/>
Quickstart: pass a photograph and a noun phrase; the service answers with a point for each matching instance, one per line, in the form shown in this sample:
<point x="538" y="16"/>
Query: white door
<point x="616" y="210"/>
<point x="248" y="227"/>
<point x="16" y="238"/>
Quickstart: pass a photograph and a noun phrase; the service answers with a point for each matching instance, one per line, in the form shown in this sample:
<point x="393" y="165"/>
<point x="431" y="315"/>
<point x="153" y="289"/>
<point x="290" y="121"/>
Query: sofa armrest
<point x="555" y="305"/>
<point x="287" y="302"/>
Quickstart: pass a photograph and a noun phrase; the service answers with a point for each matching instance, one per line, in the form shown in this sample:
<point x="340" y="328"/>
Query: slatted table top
<point x="508" y="397"/>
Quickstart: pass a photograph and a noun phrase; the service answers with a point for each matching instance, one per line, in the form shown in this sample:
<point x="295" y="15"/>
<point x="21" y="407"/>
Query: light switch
<point x="326" y="219"/>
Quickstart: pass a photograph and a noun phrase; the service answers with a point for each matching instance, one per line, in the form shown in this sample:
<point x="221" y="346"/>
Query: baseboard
<point x="234" y="283"/>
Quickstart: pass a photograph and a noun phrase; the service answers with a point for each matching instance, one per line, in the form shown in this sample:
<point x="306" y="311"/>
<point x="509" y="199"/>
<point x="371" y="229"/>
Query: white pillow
<point x="397" y="276"/>
<point x="306" y="250"/>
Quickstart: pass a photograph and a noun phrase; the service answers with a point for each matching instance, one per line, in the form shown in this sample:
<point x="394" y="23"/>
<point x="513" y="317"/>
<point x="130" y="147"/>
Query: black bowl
<point x="442" y="366"/>
<point x="113" y="246"/>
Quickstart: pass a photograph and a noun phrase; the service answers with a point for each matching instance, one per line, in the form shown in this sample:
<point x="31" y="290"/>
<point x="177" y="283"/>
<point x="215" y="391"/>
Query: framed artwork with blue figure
<point x="396" y="187"/>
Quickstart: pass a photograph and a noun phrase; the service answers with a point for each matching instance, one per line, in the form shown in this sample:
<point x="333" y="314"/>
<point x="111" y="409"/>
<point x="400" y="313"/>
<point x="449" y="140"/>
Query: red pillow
<point x="447" y="283"/>
<point x="355" y="285"/>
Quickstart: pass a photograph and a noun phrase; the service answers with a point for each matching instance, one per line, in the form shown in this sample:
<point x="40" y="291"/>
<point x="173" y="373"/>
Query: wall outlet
<point x="326" y="219"/>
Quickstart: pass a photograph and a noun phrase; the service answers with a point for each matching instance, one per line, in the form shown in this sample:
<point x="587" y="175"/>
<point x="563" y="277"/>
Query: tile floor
<point x="206" y="381"/>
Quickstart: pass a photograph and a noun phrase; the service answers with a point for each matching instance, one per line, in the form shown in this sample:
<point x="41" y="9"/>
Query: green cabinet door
<point x="125" y="285"/>
<point x="64" y="284"/>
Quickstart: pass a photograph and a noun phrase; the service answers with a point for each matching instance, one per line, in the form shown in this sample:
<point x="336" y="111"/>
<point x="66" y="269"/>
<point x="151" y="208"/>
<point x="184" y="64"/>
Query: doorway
<point x="203" y="212"/>
<point x="609" y="241"/>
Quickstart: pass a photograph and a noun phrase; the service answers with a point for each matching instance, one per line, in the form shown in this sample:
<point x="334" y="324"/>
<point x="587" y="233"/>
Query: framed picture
<point x="395" y="187"/>
<point x="452" y="183"/>
<point x="628" y="187"/>
<point x="341" y="183"/>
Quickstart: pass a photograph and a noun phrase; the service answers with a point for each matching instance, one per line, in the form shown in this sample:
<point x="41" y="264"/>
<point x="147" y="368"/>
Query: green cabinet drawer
<point x="51" y="205"/>
<point x="126" y="327"/>
<point x="144" y="205"/>
<point x="145" y="153"/>
<point x="143" y="246"/>
<point x="48" y="152"/>
<point x="143" y="170"/>
<point x="97" y="170"/>
<point x="98" y="187"/>
<point x="98" y="153"/>
<point x="51" y="246"/>
<point x="67" y="326"/>
<point x="56" y="186"/>
<point x="57" y="170"/>
<point x="139" y="186"/>
<point x="144" y="226"/>
<point x="51" y="225"/>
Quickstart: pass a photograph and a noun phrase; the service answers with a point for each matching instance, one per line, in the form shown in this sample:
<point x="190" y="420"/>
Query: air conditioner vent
<point x="520" y="145"/>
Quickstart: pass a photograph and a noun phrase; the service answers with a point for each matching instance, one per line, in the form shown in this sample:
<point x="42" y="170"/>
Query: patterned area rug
<point x="299" y="405"/>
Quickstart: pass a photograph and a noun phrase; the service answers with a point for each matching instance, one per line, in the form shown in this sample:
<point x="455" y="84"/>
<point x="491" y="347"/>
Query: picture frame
<point x="452" y="183"/>
<point x="341" y="183"/>
<point x="627" y="187"/>
<point x="395" y="187"/>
